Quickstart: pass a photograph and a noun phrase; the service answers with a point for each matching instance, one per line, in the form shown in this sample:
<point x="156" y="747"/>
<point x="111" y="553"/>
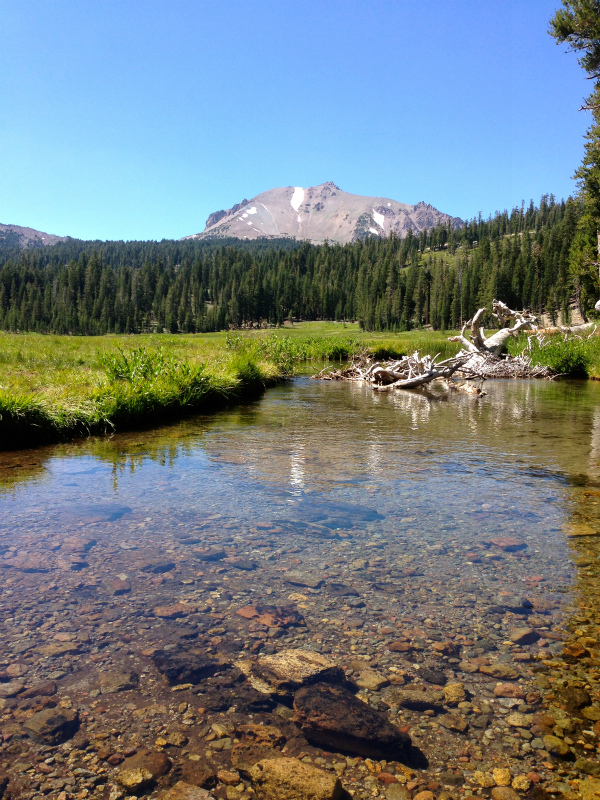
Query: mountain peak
<point x="320" y="213"/>
<point x="19" y="236"/>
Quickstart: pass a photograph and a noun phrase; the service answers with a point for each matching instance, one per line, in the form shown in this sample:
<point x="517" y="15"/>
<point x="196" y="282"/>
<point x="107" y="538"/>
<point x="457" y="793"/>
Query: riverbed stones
<point x="483" y="779"/>
<point x="519" y="720"/>
<point x="52" y="726"/>
<point x="434" y="676"/>
<point x="264" y="735"/>
<point x="511" y="690"/>
<point x="588" y="767"/>
<point x="153" y="762"/>
<point x="510" y="544"/>
<point x="419" y="698"/>
<point x="174" y="610"/>
<point x="186" y="666"/>
<point x="45" y="689"/>
<point x="135" y="779"/>
<point x="185" y="791"/>
<point x="246" y="754"/>
<point x="285" y="672"/>
<point x="332" y="717"/>
<point x="211" y="554"/>
<point x="117" y="586"/>
<point x="372" y="680"/>
<point x="454" y="693"/>
<point x="291" y="779"/>
<point x="500" y="670"/>
<point x="453" y="722"/>
<point x="573" y="697"/>
<point x="450" y="613"/>
<point x="523" y="636"/>
<point x="504" y="793"/>
<point x="303" y="579"/>
<point x="591" y="712"/>
<point x="11" y="689"/>
<point x="556" y="746"/>
<point x="112" y="682"/>
<point x="589" y="789"/>
<point x="501" y="776"/>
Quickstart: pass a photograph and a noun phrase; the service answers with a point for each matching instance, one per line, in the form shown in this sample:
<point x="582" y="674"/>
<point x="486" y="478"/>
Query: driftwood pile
<point x="481" y="358"/>
<point x="409" y="372"/>
<point x="487" y="354"/>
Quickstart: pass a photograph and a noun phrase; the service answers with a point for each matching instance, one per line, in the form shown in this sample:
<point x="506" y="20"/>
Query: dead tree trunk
<point x="496" y="344"/>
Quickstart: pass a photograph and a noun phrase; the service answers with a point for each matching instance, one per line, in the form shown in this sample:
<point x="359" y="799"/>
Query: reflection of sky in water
<point x="455" y="469"/>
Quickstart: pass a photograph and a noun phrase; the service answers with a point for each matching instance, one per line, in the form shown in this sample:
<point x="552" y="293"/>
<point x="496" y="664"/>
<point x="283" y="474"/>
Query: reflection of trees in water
<point x="329" y="433"/>
<point x="19" y="468"/>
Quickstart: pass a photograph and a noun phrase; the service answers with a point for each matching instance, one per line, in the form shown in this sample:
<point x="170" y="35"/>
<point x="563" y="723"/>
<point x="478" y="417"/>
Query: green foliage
<point x="139" y="364"/>
<point x="132" y="388"/>
<point x="57" y="387"/>
<point x="21" y="411"/>
<point x="572" y="357"/>
<point x="436" y="279"/>
<point x="577" y="24"/>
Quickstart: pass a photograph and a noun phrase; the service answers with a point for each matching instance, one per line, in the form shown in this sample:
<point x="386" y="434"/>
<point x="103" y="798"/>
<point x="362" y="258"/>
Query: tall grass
<point x="58" y="387"/>
<point x="131" y="388"/>
<point x="572" y="357"/>
<point x="289" y="351"/>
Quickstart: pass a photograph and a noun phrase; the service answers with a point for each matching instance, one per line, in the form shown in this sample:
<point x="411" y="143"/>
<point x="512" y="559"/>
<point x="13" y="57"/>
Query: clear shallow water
<point x="432" y="479"/>
<point x="377" y="516"/>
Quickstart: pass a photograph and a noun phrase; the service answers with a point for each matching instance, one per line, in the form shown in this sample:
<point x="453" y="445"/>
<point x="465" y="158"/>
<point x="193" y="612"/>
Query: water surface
<point x="382" y="518"/>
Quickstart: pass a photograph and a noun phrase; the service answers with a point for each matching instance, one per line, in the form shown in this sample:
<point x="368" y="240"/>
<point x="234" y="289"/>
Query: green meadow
<point x="59" y="387"/>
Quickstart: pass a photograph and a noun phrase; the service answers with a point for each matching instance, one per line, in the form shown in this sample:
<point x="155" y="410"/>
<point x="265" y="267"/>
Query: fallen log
<point x="410" y="372"/>
<point x="481" y="358"/>
<point x="495" y="344"/>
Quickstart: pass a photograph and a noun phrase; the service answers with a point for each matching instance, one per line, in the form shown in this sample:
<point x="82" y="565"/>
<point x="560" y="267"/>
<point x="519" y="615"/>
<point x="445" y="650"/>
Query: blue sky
<point x="134" y="119"/>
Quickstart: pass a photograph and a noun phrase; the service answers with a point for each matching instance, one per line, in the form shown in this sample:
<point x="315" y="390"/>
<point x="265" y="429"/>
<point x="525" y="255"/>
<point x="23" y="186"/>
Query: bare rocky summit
<point x="18" y="236"/>
<point x="321" y="213"/>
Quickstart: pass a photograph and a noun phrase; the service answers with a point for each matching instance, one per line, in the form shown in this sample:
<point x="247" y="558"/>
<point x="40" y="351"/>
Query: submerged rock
<point x="287" y="671"/>
<point x="290" y="779"/>
<point x="332" y="717"/>
<point x="146" y="766"/>
<point x="247" y="753"/>
<point x="113" y="682"/>
<point x="135" y="779"/>
<point x="185" y="666"/>
<point x="185" y="791"/>
<point x="523" y="635"/>
<point x="573" y="697"/>
<point x="556" y="747"/>
<point x="52" y="726"/>
<point x="419" y="699"/>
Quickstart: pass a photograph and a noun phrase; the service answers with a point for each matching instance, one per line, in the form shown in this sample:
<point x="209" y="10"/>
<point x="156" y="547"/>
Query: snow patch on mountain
<point x="378" y="218"/>
<point x="322" y="213"/>
<point x="297" y="198"/>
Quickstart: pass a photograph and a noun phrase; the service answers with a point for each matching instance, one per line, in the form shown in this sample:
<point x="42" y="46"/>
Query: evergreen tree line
<point x="577" y="24"/>
<point x="438" y="277"/>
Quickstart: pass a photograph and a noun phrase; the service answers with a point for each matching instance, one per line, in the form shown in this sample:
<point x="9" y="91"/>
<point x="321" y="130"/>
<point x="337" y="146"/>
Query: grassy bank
<point x="81" y="392"/>
<point x="573" y="358"/>
<point x="59" y="387"/>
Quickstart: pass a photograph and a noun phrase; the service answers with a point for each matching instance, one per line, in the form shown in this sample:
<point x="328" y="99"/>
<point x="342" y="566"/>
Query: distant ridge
<point x="321" y="213"/>
<point x="18" y="236"/>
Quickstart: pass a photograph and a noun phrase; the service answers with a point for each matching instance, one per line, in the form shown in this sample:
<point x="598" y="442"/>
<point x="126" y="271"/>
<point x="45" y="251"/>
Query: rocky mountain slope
<point x="17" y="236"/>
<point x="319" y="213"/>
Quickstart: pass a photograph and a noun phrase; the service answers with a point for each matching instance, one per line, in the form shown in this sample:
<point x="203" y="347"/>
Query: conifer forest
<point x="437" y="278"/>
